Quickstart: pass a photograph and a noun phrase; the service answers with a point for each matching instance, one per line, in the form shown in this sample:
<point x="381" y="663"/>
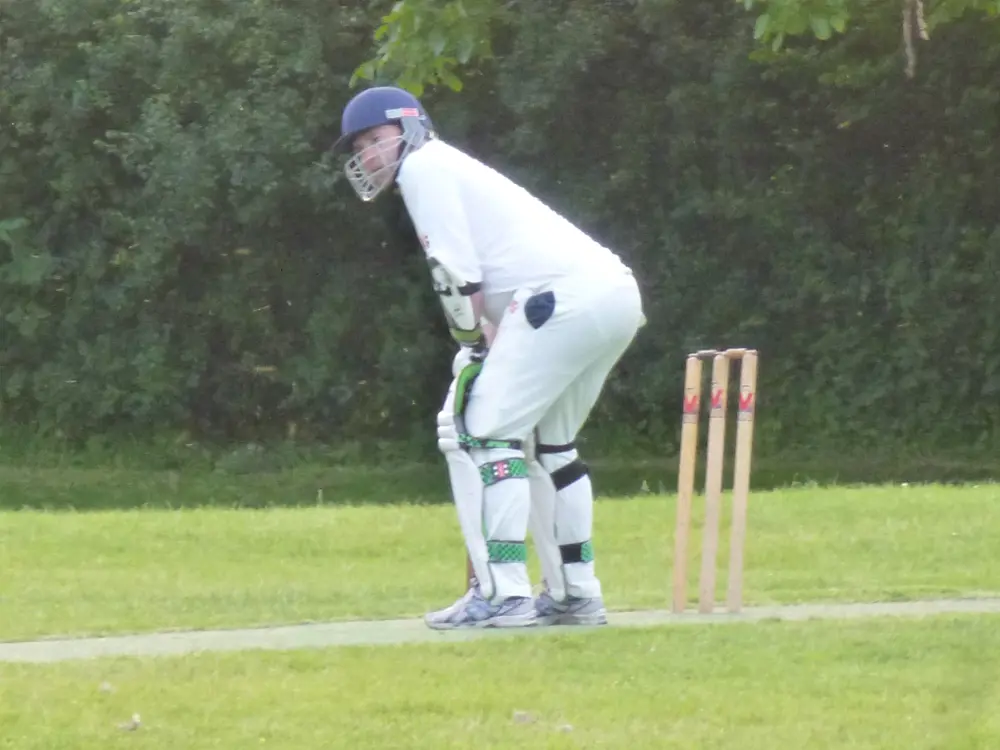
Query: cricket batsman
<point x="541" y="313"/>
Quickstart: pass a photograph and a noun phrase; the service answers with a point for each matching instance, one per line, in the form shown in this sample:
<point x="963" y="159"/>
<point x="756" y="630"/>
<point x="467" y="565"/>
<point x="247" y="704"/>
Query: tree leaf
<point x="760" y="28"/>
<point x="449" y="79"/>
<point x="796" y="24"/>
<point x="365" y="71"/>
<point x="465" y="48"/>
<point x="820" y="27"/>
<point x="437" y="42"/>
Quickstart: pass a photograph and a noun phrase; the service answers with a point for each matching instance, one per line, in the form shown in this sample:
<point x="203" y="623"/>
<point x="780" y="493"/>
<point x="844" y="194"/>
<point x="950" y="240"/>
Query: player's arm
<point x="462" y="302"/>
<point x="489" y="329"/>
<point x="432" y="199"/>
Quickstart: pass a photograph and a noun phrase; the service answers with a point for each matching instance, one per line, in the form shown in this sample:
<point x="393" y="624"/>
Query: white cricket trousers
<point x="548" y="364"/>
<point x="549" y="378"/>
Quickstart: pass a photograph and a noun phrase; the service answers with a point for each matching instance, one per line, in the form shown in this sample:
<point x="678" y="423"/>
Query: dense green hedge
<point x="177" y="252"/>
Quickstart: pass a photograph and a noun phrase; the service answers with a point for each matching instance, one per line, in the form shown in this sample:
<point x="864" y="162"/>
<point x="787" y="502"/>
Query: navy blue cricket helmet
<point x="381" y="105"/>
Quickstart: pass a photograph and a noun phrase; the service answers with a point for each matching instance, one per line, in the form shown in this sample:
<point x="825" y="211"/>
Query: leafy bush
<point x="177" y="251"/>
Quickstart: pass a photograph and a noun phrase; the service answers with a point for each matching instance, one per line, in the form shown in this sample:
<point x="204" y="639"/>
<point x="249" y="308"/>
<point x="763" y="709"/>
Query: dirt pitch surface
<point x="395" y="632"/>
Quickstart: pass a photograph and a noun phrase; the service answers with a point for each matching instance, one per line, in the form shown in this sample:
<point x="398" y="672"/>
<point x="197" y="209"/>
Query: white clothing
<point x="566" y="309"/>
<point x="549" y="378"/>
<point x="486" y="229"/>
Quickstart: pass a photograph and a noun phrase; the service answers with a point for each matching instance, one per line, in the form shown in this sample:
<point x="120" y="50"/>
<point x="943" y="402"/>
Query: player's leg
<point x="541" y="526"/>
<point x="573" y="594"/>
<point x="535" y="357"/>
<point x="494" y="597"/>
<point x="572" y="590"/>
<point x="542" y="522"/>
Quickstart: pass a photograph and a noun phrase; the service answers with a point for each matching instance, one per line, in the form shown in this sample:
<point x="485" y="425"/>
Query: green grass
<point x="873" y="684"/>
<point x="269" y="477"/>
<point x="128" y="571"/>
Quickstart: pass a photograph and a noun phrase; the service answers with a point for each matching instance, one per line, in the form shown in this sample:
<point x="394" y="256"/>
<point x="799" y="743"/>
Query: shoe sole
<point x="503" y="621"/>
<point x="592" y="619"/>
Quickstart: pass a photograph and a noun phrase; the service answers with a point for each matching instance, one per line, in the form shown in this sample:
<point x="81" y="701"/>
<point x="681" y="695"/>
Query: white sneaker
<point x="474" y="611"/>
<point x="445" y="615"/>
<point x="573" y="610"/>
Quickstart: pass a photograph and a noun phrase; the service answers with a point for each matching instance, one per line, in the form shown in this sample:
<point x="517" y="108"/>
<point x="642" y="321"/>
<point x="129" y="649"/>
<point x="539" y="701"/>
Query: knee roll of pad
<point x="447" y="432"/>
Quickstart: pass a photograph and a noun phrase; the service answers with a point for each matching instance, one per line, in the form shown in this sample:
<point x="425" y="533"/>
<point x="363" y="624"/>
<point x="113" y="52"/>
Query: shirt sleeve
<point x="432" y="195"/>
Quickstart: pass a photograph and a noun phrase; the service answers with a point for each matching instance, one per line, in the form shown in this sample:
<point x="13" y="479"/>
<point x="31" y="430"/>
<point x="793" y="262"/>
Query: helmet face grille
<point x="368" y="184"/>
<point x="385" y="156"/>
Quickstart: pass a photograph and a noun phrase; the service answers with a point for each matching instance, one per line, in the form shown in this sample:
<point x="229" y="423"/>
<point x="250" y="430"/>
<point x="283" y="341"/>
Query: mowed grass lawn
<point x="878" y="684"/>
<point x="65" y="573"/>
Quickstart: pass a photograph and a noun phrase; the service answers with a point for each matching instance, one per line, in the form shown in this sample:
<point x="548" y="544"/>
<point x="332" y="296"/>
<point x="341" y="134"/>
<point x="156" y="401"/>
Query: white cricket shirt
<point x="485" y="228"/>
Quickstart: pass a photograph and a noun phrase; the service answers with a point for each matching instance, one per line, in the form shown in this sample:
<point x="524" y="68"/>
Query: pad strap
<point x="506" y="552"/>
<point x="582" y="552"/>
<point x="542" y="448"/>
<point x="508" y="468"/>
<point x="473" y="443"/>
<point x="571" y="472"/>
